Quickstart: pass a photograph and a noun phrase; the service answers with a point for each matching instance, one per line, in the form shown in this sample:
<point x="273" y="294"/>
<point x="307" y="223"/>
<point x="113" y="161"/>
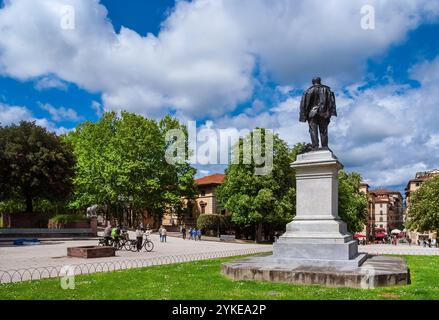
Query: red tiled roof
<point x="384" y="191"/>
<point x="217" y="178"/>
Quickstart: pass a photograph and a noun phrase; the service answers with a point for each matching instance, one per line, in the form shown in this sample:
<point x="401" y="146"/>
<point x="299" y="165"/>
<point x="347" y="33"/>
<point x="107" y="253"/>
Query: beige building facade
<point x="385" y="210"/>
<point x="205" y="202"/>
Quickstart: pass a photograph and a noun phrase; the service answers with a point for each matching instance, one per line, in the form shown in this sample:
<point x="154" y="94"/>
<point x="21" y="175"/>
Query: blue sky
<point x="234" y="65"/>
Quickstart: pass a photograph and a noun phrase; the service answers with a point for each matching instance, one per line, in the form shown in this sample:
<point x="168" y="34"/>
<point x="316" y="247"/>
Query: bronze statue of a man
<point x="317" y="107"/>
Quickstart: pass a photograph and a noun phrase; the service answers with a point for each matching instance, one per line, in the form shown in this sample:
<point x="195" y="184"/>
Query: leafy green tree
<point x="352" y="204"/>
<point x="34" y="165"/>
<point x="257" y="200"/>
<point x="423" y="213"/>
<point x="121" y="159"/>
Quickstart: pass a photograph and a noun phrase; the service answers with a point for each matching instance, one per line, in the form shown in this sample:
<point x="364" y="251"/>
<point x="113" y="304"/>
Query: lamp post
<point x="218" y="226"/>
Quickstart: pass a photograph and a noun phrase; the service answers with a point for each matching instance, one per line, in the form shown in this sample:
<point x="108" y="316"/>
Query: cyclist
<point x="115" y="233"/>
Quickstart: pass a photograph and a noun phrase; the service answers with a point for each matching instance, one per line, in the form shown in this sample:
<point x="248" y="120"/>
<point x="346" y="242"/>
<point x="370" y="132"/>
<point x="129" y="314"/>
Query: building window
<point x="381" y="219"/>
<point x="203" y="193"/>
<point x="381" y="225"/>
<point x="203" y="206"/>
<point x="418" y="184"/>
<point x="381" y="212"/>
<point x="381" y="205"/>
<point x="190" y="207"/>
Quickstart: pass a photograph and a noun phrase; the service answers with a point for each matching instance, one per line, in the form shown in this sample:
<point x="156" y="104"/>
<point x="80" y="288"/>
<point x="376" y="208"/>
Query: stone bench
<point x="227" y="238"/>
<point x="91" y="252"/>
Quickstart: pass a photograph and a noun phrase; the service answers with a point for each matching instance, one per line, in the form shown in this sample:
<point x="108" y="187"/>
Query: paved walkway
<point x="52" y="254"/>
<point x="400" y="249"/>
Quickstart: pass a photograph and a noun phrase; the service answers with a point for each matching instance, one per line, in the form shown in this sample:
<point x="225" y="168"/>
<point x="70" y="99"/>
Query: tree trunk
<point x="258" y="232"/>
<point x="29" y="204"/>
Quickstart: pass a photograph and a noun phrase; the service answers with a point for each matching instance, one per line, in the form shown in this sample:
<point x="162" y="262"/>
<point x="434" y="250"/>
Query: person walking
<point x="139" y="237"/>
<point x="183" y="232"/>
<point x="160" y="234"/>
<point x="190" y="233"/>
<point x="199" y="234"/>
<point x="194" y="234"/>
<point x="164" y="234"/>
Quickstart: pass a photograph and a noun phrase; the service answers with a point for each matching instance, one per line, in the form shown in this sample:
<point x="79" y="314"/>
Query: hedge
<point x="209" y="223"/>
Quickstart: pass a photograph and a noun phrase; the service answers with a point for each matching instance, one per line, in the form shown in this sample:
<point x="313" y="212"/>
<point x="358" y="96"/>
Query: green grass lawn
<point x="202" y="280"/>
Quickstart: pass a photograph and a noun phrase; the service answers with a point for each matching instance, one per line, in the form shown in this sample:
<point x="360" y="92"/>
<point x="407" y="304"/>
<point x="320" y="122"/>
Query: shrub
<point x="209" y="223"/>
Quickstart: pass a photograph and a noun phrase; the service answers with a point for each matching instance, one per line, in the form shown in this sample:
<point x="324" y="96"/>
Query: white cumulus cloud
<point x="203" y="60"/>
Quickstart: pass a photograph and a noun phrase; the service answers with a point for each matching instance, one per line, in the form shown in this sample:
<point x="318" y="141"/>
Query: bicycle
<point x="148" y="245"/>
<point x="125" y="242"/>
<point x="117" y="244"/>
<point x="131" y="245"/>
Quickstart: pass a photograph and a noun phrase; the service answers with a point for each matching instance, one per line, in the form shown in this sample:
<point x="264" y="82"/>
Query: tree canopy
<point x="34" y="165"/>
<point x="423" y="213"/>
<point x="122" y="159"/>
<point x="352" y="203"/>
<point x="255" y="200"/>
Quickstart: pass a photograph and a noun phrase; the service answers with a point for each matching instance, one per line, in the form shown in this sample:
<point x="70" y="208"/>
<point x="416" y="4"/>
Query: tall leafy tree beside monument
<point x="35" y="165"/>
<point x="258" y="200"/>
<point x="255" y="201"/>
<point x="423" y="214"/>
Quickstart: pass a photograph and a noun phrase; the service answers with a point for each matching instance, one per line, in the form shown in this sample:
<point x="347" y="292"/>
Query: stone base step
<point x="376" y="271"/>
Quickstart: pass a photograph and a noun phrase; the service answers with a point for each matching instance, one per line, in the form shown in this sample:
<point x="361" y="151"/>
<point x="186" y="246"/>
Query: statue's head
<point x="316" y="80"/>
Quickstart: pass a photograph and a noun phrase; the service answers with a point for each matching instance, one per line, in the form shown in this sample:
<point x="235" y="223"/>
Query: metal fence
<point x="32" y="274"/>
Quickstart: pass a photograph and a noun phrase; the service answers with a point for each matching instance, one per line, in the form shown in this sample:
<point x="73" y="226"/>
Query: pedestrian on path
<point x="163" y="234"/>
<point x="183" y="232"/>
<point x="194" y="234"/>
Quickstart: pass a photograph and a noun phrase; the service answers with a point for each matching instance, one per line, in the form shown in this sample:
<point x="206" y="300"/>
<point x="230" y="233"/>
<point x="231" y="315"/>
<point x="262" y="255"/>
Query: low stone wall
<point x="12" y="233"/>
<point x="25" y="220"/>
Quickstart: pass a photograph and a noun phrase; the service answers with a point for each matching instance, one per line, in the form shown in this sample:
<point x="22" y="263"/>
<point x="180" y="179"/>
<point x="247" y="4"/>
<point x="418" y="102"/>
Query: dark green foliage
<point x="212" y="223"/>
<point x="257" y="200"/>
<point x="352" y="204"/>
<point x="34" y="165"/>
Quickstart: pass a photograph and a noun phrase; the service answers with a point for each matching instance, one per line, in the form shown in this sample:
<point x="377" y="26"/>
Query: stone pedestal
<point x="317" y="236"/>
<point x="316" y="247"/>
